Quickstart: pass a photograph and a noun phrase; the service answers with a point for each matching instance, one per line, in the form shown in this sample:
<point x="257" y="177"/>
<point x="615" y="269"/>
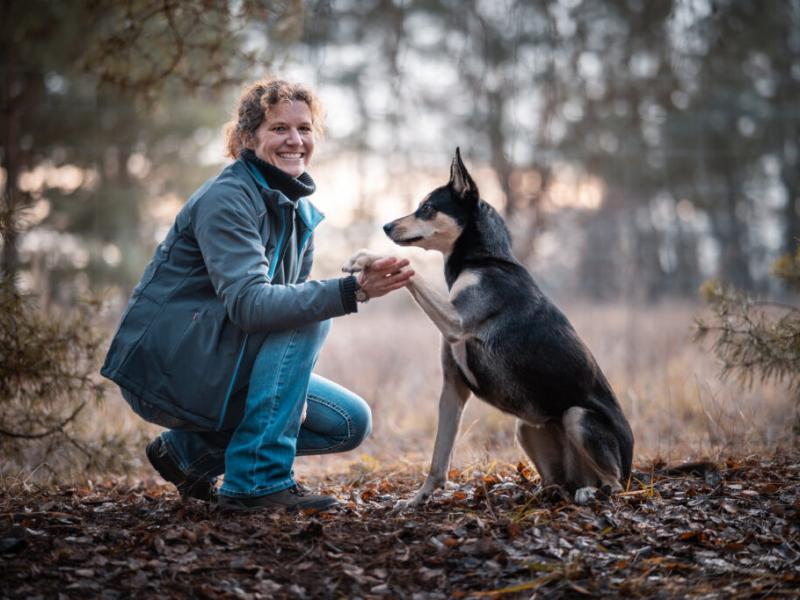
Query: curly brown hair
<point x="254" y="104"/>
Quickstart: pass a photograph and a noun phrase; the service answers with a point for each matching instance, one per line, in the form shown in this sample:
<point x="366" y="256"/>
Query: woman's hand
<point x="385" y="275"/>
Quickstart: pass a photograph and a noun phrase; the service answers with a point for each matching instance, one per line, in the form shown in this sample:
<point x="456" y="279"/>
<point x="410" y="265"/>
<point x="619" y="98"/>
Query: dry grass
<point x="668" y="386"/>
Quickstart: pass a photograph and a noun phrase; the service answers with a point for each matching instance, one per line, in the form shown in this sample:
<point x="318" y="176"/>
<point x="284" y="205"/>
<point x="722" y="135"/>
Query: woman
<point x="222" y="332"/>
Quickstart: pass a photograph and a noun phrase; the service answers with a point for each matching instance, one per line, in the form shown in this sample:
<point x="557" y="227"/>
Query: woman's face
<point x="285" y="138"/>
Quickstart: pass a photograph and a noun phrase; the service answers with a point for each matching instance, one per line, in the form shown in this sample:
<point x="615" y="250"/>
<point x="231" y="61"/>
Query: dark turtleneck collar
<point x="293" y="188"/>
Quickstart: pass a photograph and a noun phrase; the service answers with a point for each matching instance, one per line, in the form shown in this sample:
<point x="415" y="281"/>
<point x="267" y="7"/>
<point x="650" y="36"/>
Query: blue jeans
<point x="257" y="456"/>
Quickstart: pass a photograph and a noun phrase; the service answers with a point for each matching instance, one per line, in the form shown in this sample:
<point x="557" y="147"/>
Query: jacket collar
<point x="274" y="178"/>
<point x="308" y="213"/>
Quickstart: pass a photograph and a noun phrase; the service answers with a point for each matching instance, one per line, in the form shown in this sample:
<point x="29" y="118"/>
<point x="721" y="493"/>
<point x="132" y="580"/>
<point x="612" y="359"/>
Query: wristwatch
<point x="361" y="295"/>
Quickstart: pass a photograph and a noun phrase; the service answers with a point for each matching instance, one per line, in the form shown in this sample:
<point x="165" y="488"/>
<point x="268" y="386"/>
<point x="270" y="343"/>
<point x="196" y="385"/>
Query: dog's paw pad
<point x="585" y="495"/>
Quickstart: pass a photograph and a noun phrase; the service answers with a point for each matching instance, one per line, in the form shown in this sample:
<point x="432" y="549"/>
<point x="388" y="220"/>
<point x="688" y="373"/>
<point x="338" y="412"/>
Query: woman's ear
<point x="246" y="140"/>
<point x="460" y="180"/>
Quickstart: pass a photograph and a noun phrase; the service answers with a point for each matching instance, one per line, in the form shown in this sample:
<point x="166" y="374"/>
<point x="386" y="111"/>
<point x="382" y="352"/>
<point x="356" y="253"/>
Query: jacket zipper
<point x="304" y="242"/>
<point x="277" y="257"/>
<point x="280" y="251"/>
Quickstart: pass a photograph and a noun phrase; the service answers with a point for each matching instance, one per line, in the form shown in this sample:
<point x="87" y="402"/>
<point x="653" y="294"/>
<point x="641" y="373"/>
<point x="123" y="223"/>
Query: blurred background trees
<point x="635" y="147"/>
<point x="664" y="132"/>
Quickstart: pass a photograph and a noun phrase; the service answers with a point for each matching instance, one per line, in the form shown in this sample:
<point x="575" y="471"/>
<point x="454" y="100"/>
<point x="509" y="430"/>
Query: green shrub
<point x="756" y="340"/>
<point x="50" y="392"/>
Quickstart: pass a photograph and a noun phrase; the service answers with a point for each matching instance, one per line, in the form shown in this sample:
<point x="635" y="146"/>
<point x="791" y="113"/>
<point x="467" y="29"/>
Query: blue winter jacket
<point x="232" y="268"/>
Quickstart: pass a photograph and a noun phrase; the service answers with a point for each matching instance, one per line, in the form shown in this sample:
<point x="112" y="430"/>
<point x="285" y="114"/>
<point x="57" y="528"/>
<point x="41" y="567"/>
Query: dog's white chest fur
<point x="465" y="280"/>
<point x="459" y="349"/>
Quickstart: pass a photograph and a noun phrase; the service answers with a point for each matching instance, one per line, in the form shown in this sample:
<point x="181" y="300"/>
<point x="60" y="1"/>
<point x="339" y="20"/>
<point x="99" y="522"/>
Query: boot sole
<point x="224" y="506"/>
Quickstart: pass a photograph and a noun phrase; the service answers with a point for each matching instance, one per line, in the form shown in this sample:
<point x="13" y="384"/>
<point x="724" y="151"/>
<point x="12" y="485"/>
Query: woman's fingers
<point x="392" y="278"/>
<point x="385" y="275"/>
<point x="399" y="278"/>
<point x="387" y="265"/>
<point x="398" y="284"/>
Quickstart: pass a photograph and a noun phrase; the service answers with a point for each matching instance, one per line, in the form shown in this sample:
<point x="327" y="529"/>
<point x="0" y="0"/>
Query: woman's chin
<point x="293" y="169"/>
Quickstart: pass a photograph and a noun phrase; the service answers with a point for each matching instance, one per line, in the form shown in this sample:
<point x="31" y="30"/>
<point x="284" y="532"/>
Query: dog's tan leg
<point x="544" y="445"/>
<point x="455" y="394"/>
<point x="438" y="308"/>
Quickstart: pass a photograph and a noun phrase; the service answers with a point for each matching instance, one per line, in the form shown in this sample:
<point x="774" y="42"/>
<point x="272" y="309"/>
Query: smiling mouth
<point x="291" y="155"/>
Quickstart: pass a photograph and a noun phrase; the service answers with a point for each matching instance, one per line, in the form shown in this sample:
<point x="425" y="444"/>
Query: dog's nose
<point x="388" y="228"/>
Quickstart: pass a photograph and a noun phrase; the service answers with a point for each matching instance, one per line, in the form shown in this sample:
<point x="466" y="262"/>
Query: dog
<point x="505" y="342"/>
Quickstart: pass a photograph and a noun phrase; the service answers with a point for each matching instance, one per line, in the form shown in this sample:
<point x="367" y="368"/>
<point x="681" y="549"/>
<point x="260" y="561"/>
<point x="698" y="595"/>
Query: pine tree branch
<point x="767" y="303"/>
<point x="37" y="436"/>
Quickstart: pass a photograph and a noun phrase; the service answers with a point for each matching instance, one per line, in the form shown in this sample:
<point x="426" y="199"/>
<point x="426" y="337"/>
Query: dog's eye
<point x="425" y="210"/>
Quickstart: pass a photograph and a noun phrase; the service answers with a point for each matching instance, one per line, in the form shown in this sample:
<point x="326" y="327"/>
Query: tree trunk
<point x="791" y="226"/>
<point x="687" y="264"/>
<point x="12" y="89"/>
<point x="790" y="177"/>
<point x="497" y="146"/>
<point x="730" y="233"/>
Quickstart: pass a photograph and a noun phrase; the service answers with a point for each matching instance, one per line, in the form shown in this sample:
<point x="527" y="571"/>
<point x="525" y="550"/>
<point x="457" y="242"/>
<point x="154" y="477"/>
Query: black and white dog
<point x="505" y="342"/>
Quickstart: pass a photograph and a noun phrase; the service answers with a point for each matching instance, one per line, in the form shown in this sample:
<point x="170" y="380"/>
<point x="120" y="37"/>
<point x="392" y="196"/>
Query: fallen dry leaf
<point x="494" y="534"/>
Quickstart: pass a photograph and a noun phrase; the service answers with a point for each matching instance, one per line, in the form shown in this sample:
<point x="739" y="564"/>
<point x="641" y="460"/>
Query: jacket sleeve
<point x="227" y="232"/>
<point x="308" y="260"/>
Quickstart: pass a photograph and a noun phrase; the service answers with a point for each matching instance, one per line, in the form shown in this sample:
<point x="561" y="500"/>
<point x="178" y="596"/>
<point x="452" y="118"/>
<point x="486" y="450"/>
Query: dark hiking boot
<point x="292" y="499"/>
<point x="189" y="487"/>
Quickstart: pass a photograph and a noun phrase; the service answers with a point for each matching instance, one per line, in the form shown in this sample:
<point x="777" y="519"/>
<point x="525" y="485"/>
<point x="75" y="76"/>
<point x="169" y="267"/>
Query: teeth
<point x="294" y="155"/>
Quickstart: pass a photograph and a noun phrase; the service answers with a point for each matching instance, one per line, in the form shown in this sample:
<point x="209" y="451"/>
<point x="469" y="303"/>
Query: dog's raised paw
<point x="360" y="261"/>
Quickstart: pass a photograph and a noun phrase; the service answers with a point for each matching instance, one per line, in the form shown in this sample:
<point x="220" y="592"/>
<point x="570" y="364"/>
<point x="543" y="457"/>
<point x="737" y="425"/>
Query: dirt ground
<point x="733" y="531"/>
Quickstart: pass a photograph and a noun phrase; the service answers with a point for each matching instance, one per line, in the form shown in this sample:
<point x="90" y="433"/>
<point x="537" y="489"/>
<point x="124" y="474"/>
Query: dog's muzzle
<point x="387" y="229"/>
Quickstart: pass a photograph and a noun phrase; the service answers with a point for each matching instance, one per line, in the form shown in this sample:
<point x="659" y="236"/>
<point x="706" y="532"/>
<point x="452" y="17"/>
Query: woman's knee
<point x="337" y="413"/>
<point x="361" y="422"/>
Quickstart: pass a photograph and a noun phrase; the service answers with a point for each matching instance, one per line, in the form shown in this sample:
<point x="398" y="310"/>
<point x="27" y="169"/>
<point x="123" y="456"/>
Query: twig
<point x="488" y="501"/>
<point x="37" y="436"/>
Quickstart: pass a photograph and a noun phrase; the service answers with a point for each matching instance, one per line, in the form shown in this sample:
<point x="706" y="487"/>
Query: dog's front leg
<point x="438" y="308"/>
<point x="451" y="404"/>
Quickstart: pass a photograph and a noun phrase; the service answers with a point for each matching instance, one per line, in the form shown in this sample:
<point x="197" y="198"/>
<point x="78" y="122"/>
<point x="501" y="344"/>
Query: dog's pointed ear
<point x="460" y="180"/>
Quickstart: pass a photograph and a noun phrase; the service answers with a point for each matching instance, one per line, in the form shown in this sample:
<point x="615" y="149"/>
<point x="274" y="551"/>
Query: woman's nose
<point x="294" y="137"/>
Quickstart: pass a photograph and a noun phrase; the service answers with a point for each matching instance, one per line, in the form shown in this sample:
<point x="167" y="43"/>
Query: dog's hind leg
<point x="455" y="394"/>
<point x="594" y="453"/>
<point x="544" y="444"/>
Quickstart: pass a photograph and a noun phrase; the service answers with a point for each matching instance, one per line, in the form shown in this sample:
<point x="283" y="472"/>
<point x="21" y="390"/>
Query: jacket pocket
<point x="201" y="363"/>
<point x="181" y="340"/>
<point x="135" y="322"/>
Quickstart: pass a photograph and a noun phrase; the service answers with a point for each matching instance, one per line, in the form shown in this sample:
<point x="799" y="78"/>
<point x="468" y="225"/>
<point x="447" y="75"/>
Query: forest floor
<point x="733" y="531"/>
